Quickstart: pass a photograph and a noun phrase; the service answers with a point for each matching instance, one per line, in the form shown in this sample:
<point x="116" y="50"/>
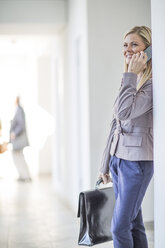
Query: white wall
<point x="76" y="160"/>
<point x="32" y="16"/>
<point x="45" y="103"/>
<point x="60" y="94"/>
<point x="16" y="11"/>
<point x="158" y="31"/>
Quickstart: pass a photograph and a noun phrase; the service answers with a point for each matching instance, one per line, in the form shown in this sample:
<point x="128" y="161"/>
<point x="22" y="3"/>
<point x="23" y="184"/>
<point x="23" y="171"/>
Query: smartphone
<point x="148" y="51"/>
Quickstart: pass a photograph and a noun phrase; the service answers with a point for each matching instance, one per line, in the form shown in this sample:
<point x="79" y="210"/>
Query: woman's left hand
<point x="105" y="177"/>
<point x="138" y="63"/>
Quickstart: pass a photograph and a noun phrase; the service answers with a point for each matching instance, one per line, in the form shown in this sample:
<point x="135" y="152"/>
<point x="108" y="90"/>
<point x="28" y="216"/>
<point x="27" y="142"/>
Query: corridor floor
<point x="32" y="216"/>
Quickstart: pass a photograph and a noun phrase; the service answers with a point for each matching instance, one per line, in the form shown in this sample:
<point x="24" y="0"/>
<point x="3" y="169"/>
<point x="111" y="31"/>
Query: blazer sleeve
<point x="18" y="122"/>
<point x="130" y="102"/>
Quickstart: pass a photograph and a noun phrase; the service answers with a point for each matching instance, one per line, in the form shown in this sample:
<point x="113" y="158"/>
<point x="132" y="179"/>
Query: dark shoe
<point x="28" y="180"/>
<point x="24" y="180"/>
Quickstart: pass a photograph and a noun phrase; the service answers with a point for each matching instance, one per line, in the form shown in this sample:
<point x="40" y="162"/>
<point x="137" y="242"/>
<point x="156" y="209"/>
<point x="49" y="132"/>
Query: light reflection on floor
<point x="32" y="216"/>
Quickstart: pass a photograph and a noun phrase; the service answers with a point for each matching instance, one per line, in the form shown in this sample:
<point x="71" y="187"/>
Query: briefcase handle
<point x="98" y="182"/>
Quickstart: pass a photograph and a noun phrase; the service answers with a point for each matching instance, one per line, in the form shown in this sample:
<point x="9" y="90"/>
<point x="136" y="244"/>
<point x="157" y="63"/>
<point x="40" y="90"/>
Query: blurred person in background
<point x="19" y="140"/>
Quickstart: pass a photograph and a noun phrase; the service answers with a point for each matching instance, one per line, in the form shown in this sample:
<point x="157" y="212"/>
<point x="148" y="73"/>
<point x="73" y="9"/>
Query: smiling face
<point x="132" y="44"/>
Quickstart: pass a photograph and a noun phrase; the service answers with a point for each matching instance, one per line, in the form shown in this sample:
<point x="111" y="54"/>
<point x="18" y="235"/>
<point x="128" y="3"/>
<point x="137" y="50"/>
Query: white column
<point x="158" y="31"/>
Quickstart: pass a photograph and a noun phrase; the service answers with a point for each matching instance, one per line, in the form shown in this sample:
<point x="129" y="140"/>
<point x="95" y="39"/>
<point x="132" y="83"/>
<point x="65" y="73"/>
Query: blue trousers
<point x="130" y="182"/>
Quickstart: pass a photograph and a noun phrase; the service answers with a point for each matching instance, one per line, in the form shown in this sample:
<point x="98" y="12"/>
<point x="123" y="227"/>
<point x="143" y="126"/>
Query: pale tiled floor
<point x="32" y="216"/>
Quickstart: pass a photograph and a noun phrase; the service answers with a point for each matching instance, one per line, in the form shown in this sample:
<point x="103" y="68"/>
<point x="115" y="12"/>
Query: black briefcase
<point x="95" y="211"/>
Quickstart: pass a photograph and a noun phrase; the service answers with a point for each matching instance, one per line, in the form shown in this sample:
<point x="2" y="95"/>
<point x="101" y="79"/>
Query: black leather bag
<point x="95" y="211"/>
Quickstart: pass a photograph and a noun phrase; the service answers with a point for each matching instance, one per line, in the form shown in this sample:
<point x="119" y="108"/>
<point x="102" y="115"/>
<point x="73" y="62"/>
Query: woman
<point x="129" y="151"/>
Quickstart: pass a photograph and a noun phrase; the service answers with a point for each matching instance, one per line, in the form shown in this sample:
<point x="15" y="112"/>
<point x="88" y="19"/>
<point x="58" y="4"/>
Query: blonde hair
<point x="145" y="34"/>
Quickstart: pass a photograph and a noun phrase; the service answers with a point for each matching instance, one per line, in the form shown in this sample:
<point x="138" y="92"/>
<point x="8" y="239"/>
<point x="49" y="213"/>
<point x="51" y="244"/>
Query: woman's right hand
<point x="138" y="63"/>
<point x="105" y="177"/>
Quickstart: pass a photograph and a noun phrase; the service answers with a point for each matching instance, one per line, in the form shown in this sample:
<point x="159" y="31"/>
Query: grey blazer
<point x="18" y="126"/>
<point x="131" y="134"/>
